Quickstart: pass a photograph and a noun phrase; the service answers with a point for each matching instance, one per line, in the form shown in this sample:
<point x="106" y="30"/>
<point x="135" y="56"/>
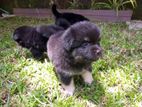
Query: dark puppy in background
<point x="72" y="51"/>
<point x="35" y="38"/>
<point x="67" y="18"/>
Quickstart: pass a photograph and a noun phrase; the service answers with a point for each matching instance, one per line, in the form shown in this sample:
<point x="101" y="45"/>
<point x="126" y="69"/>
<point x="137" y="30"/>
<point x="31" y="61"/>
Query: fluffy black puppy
<point x="67" y="18"/>
<point x="35" y="38"/>
<point x="72" y="51"/>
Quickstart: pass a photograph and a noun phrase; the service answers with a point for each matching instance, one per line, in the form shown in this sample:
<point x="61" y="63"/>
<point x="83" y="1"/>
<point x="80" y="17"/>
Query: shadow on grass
<point x="28" y="55"/>
<point x="92" y="93"/>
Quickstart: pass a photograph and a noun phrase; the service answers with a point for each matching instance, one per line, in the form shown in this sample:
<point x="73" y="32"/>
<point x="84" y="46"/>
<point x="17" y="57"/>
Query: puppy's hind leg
<point x="36" y="53"/>
<point x="67" y="83"/>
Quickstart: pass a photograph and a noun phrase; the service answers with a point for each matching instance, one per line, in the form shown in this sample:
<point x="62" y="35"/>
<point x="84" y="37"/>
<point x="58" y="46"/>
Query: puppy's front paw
<point x="67" y="92"/>
<point x="87" y="77"/>
<point x="68" y="89"/>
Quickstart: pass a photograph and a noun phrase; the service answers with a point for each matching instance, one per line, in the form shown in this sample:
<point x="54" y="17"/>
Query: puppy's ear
<point x="69" y="40"/>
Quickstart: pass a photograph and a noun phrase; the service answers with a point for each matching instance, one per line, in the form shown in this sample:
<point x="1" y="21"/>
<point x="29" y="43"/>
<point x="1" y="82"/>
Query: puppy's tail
<point x="54" y="11"/>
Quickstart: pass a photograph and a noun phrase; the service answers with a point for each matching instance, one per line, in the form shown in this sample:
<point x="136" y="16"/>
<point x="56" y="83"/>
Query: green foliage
<point x="113" y="4"/>
<point x="33" y="3"/>
<point x="26" y="82"/>
<point x="79" y="4"/>
<point x="4" y="11"/>
<point x="73" y="4"/>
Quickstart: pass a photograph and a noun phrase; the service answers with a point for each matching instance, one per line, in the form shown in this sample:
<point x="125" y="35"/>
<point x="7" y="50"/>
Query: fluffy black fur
<point x="74" y="49"/>
<point x="67" y="18"/>
<point x="35" y="38"/>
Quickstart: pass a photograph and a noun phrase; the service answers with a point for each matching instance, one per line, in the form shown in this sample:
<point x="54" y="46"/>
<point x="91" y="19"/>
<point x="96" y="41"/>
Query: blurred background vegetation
<point x="8" y="5"/>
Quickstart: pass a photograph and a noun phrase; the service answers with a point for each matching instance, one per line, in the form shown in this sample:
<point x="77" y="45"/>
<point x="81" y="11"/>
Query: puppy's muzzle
<point x="15" y="37"/>
<point x="97" y="50"/>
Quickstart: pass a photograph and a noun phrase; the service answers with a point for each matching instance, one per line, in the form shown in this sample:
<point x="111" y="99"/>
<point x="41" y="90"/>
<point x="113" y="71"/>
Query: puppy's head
<point x="87" y="52"/>
<point x="22" y="35"/>
<point x="82" y="40"/>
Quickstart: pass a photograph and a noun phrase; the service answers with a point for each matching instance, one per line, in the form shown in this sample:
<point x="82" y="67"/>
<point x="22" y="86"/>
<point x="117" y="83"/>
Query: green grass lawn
<point x="26" y="82"/>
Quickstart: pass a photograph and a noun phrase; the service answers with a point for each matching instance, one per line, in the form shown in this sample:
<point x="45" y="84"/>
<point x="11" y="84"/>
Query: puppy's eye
<point x="85" y="44"/>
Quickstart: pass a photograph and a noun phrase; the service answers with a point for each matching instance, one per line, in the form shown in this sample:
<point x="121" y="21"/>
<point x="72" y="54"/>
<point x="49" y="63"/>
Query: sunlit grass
<point x="26" y="82"/>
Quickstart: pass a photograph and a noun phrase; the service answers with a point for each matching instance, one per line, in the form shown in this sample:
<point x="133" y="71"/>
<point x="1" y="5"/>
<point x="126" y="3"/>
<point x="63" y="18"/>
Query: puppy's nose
<point x="98" y="51"/>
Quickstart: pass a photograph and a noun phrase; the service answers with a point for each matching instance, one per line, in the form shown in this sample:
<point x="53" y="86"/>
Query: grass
<point x="26" y="82"/>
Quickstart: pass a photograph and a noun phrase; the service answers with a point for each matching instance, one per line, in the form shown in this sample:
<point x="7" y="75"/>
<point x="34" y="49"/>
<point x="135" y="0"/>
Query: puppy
<point x="66" y="19"/>
<point x="35" y="38"/>
<point x="72" y="51"/>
